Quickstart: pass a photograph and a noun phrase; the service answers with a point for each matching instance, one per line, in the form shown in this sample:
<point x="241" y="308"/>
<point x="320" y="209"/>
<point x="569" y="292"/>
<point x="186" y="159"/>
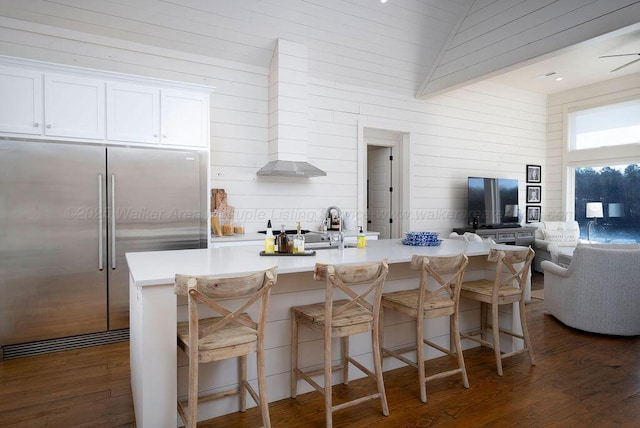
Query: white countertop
<point x="160" y="267"/>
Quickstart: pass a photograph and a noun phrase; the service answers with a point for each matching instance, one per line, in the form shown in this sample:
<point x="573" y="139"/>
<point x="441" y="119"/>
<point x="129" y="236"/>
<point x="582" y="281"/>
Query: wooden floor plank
<point x="580" y="379"/>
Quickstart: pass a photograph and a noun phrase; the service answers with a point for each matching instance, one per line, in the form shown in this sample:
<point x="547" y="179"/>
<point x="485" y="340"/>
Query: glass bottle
<point x="362" y="239"/>
<point x="298" y="241"/>
<point x="269" y="240"/>
<point x="283" y="241"/>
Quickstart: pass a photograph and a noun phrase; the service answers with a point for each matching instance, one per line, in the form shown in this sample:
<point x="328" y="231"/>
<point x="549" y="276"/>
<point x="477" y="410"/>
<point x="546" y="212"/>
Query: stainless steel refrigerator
<point x="69" y="213"/>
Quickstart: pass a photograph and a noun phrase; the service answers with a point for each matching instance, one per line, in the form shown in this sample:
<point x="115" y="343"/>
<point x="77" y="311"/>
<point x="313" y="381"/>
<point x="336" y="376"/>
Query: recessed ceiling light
<point x="558" y="78"/>
<point x="383" y="1"/>
<point x="542" y="76"/>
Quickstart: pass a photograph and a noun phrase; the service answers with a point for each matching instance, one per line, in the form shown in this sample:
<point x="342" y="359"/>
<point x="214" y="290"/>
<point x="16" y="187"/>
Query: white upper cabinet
<point x="185" y="118"/>
<point x="21" y="101"/>
<point x="61" y="103"/>
<point x="74" y="107"/>
<point x="133" y="113"/>
<point x="137" y="113"/>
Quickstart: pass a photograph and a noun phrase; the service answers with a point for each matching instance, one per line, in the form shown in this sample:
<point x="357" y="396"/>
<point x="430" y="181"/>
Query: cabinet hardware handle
<point x="36" y="125"/>
<point x="113" y="221"/>
<point x="49" y="126"/>
<point x="100" y="244"/>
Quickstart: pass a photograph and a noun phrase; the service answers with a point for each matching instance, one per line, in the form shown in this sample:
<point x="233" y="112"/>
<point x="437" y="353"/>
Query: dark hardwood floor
<point x="579" y="380"/>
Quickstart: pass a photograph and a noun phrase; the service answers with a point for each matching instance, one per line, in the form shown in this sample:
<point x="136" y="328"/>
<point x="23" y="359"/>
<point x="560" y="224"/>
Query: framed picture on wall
<point x="534" y="173"/>
<point x="533" y="213"/>
<point x="534" y="194"/>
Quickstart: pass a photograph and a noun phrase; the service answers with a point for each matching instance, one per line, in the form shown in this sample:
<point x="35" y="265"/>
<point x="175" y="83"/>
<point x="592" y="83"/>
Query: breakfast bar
<point x="158" y="370"/>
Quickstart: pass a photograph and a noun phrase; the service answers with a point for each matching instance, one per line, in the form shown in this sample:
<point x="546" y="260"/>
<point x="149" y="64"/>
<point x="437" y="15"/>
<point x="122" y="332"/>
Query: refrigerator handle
<point x="113" y="221"/>
<point x="100" y="222"/>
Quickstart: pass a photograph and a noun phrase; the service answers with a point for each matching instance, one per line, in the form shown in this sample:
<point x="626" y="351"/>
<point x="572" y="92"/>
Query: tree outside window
<point x="618" y="188"/>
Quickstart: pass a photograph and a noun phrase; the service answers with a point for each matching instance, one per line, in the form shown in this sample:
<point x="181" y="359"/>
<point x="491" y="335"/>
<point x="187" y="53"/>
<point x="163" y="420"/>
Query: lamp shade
<point x="616" y="209"/>
<point x="594" y="210"/>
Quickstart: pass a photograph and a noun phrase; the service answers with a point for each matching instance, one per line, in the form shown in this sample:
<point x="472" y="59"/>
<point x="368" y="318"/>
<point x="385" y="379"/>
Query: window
<point x="618" y="189"/>
<point x="605" y="126"/>
<point x="604" y="164"/>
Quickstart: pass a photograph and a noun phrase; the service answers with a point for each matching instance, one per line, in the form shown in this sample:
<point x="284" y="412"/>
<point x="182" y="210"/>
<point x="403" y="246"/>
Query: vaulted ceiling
<point x="563" y="36"/>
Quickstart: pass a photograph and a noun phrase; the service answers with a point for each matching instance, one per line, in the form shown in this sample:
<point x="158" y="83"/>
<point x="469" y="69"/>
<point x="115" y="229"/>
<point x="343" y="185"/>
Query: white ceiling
<point x="579" y="65"/>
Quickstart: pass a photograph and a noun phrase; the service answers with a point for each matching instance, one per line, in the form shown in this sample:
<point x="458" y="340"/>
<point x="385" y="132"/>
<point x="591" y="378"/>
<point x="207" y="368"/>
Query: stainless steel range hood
<point x="288" y="114"/>
<point x="282" y="168"/>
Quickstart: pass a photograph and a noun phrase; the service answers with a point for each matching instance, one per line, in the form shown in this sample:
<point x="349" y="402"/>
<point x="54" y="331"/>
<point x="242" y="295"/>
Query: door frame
<point x="403" y="154"/>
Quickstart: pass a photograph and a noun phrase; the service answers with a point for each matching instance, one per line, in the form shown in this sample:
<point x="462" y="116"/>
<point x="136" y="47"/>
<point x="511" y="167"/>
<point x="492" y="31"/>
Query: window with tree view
<point x="597" y="136"/>
<point x="618" y="189"/>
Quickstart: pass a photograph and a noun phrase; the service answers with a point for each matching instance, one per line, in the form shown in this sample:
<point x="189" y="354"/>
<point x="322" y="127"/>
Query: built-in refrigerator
<point x="68" y="215"/>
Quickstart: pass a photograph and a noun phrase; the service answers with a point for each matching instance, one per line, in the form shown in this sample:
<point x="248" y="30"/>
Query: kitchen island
<point x="159" y="371"/>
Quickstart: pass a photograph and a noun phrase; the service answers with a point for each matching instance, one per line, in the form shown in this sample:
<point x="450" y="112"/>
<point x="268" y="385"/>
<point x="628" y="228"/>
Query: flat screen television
<point x="494" y="201"/>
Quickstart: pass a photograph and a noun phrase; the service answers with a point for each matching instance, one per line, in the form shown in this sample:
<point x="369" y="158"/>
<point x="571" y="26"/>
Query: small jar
<point x="227" y="228"/>
<point x="238" y="229"/>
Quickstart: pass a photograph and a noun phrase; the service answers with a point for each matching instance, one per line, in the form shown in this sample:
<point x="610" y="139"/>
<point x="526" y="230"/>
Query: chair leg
<point x="262" y="388"/>
<point x="327" y="379"/>
<point x="242" y="390"/>
<point x="345" y="360"/>
<point x="457" y="348"/>
<point x="192" y="403"/>
<point x="483" y="320"/>
<point x="495" y="328"/>
<point x="294" y="356"/>
<point x="377" y="364"/>
<point x="420" y="358"/>
<point x="525" y="332"/>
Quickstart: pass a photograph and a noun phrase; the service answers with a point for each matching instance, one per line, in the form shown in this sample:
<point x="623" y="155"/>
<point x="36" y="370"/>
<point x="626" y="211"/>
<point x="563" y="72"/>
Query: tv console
<point x="524" y="235"/>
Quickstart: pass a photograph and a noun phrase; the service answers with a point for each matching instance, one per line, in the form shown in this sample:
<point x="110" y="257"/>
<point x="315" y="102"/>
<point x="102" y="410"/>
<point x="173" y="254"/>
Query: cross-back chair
<point x="507" y="287"/>
<point x="232" y="334"/>
<point x="342" y="318"/>
<point x="422" y="304"/>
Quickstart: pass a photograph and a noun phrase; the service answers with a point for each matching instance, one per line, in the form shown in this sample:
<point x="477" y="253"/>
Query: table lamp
<point x="594" y="211"/>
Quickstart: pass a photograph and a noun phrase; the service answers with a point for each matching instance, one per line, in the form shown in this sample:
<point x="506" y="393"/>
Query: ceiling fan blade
<point x="611" y="56"/>
<point x="623" y="66"/>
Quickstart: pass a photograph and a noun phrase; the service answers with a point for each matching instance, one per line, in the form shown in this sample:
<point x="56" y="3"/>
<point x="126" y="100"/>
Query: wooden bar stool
<point x="342" y="318"/>
<point x="422" y="304"/>
<point x="233" y="334"/>
<point x="505" y="289"/>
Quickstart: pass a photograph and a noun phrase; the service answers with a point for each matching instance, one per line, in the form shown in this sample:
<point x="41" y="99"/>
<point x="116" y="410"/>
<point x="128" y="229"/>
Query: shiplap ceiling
<point x="578" y="66"/>
<point x="495" y="36"/>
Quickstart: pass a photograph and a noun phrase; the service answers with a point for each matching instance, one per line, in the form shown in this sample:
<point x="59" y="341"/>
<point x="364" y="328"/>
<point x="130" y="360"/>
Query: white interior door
<point x="380" y="190"/>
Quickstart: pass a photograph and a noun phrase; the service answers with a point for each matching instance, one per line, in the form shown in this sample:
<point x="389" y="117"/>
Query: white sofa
<point x="599" y="291"/>
<point x="553" y="238"/>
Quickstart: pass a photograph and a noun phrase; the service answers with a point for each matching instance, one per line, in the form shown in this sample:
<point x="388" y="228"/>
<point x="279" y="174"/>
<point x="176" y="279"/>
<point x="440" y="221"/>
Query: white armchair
<point x="553" y="238"/>
<point x="599" y="291"/>
<point x="470" y="237"/>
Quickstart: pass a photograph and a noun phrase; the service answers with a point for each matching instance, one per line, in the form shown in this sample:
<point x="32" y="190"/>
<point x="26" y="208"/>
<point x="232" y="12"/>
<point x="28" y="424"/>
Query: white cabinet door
<point x="185" y="118"/>
<point x="74" y="106"/>
<point x="133" y="113"/>
<point x="21" y="101"/>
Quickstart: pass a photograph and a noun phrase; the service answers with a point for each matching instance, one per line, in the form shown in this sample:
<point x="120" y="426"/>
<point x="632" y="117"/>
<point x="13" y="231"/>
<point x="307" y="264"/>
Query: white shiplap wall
<point x="497" y="35"/>
<point x="555" y="206"/>
<point x="359" y="42"/>
<point x="482" y="129"/>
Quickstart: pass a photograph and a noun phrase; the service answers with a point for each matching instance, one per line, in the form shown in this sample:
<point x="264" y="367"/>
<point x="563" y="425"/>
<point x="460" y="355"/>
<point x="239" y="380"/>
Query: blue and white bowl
<point x="426" y="239"/>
